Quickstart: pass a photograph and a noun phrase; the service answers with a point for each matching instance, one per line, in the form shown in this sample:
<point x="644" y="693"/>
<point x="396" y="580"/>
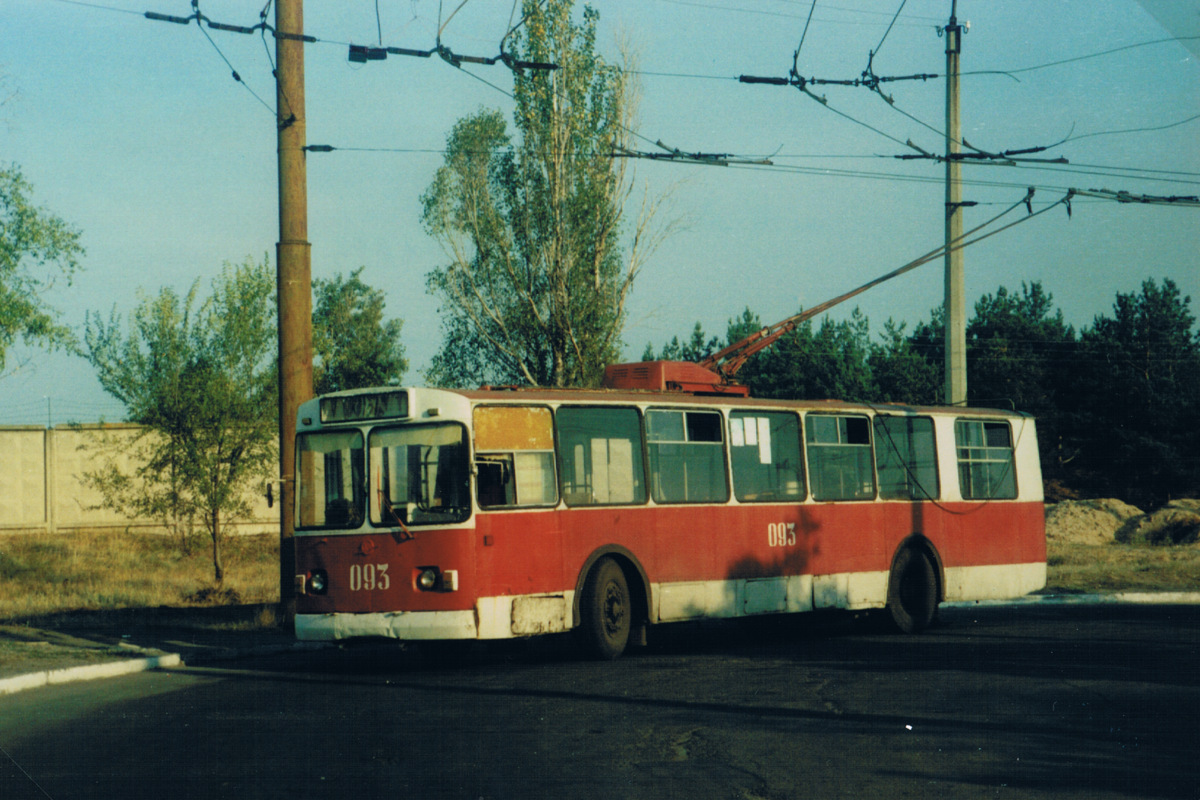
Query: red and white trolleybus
<point x="492" y="514"/>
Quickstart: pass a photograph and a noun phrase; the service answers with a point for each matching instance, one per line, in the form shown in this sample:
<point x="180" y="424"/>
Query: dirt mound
<point x="1088" y="521"/>
<point x="1178" y="522"/>
<point x="1191" y="505"/>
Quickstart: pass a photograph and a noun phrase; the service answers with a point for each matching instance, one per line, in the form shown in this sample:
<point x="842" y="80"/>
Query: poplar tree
<point x="533" y="219"/>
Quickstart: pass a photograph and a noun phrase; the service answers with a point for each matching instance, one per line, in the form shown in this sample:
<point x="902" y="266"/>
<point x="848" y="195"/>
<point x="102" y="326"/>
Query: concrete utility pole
<point x="955" y="307"/>
<point x="293" y="259"/>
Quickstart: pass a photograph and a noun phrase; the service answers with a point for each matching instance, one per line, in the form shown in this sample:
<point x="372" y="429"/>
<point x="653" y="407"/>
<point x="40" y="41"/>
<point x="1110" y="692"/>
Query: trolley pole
<point x="294" y="279"/>
<point x="955" y="302"/>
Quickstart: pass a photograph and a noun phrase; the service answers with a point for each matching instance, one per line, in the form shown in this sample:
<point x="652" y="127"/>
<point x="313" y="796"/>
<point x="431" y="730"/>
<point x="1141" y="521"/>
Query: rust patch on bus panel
<point x="509" y="428"/>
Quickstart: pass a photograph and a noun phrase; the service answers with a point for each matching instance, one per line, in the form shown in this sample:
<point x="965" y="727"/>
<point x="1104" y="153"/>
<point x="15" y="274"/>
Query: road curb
<point x="109" y="669"/>
<point x="1116" y="598"/>
<point x="113" y="669"/>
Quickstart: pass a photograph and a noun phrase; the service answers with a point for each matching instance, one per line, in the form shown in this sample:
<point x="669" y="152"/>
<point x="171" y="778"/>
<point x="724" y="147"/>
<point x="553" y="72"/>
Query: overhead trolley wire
<point x="1147" y="129"/>
<point x="957" y="243"/>
<point x="835" y="8"/>
<point x="803" y="34"/>
<point x="1085" y="57"/>
<point x="100" y="6"/>
<point x="868" y="80"/>
<point x="237" y="77"/>
<point x="889" y="27"/>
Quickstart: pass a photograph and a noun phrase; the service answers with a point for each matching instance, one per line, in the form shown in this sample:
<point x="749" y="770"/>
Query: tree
<point x="537" y="277"/>
<point x="36" y="249"/>
<point x="697" y="348"/>
<point x="806" y="364"/>
<point x="199" y="379"/>
<point x="900" y="371"/>
<point x="1016" y="345"/>
<point x="1135" y="396"/>
<point x="353" y="346"/>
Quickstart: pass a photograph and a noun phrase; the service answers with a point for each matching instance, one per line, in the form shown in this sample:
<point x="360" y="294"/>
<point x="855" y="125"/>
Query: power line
<point x="889" y="28"/>
<point x="100" y="6"/>
<point x="803" y="35"/>
<point x="868" y="79"/>
<point x="1075" y="59"/>
<point x="768" y="163"/>
<point x="836" y="8"/>
<point x="442" y="25"/>
<point x="692" y="75"/>
<point x="232" y="70"/>
<point x="1192" y="118"/>
<point x="1145" y="199"/>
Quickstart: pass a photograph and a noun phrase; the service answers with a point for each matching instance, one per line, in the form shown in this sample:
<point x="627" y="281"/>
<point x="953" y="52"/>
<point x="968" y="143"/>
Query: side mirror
<point x="270" y="494"/>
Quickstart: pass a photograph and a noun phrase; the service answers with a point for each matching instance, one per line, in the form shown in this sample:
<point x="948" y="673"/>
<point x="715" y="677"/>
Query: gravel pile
<point x="1108" y="520"/>
<point x="1088" y="521"/>
<point x="1178" y="522"/>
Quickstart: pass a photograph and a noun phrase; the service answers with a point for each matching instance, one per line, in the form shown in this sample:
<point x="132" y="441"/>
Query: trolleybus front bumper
<point x="411" y="625"/>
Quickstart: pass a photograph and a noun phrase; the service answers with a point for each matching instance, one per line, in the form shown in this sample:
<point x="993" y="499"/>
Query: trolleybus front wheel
<point x="606" y="613"/>
<point x="912" y="592"/>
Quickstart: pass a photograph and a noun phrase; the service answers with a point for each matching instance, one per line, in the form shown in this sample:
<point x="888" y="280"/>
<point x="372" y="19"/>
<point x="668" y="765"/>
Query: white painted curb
<point x="110" y="669"/>
<point x="114" y="669"/>
<point x="1130" y="598"/>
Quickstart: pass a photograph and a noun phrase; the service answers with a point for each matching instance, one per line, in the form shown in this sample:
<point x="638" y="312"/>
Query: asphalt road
<point x="1014" y="702"/>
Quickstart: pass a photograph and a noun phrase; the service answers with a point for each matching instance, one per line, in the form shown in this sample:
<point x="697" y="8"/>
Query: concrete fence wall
<point x="42" y="488"/>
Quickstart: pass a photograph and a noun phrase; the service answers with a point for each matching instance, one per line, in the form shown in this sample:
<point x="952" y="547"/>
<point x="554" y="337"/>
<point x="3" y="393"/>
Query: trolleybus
<point x="491" y="514"/>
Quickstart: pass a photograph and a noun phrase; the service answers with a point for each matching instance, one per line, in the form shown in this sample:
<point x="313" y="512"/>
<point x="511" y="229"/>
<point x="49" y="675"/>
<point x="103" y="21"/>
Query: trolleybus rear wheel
<point x="912" y="592"/>
<point x="606" y="613"/>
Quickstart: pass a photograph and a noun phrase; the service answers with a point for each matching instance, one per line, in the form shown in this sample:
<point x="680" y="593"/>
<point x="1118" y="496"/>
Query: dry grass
<point x="1122" y="567"/>
<point x="44" y="574"/>
<point x="98" y="570"/>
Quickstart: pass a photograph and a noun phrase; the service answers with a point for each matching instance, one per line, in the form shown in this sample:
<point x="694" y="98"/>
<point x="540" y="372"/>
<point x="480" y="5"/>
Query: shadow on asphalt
<point x="1087" y="643"/>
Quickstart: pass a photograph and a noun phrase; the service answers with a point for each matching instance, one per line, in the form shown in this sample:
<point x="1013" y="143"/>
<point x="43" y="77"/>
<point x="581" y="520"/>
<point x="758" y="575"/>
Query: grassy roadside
<point x="100" y="585"/>
<point x="69" y="600"/>
<point x="102" y="571"/>
<point x="1087" y="568"/>
<point x="43" y="574"/>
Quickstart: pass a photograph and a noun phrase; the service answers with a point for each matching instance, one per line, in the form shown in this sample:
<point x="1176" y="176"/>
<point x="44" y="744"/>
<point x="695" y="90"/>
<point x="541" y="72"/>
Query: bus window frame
<point x="554" y="465"/>
<point x="468" y="463"/>
<point x="722" y="445"/>
<point x="809" y="472"/>
<point x="364" y="468"/>
<point x="937" y="471"/>
<point x="1012" y="458"/>
<point x="801" y="445"/>
<point x="560" y="453"/>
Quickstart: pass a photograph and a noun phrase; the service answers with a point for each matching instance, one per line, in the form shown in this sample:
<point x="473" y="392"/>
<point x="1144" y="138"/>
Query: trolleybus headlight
<point x="428" y="579"/>
<point x="318" y="582"/>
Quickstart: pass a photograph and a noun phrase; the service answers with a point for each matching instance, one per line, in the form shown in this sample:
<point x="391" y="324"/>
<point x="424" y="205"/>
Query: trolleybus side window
<point x="687" y="459"/>
<point x="905" y="458"/>
<point x="329" y="467"/>
<point x="514" y="456"/>
<point x="839" y="457"/>
<point x="419" y="474"/>
<point x="600" y="455"/>
<point x="985" y="460"/>
<point x="764" y="448"/>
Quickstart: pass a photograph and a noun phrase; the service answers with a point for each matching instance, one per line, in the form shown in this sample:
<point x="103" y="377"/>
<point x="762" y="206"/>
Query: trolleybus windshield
<point x="419" y="474"/>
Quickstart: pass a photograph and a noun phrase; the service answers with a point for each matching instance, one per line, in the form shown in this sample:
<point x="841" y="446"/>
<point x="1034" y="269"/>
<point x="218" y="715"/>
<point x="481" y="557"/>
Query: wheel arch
<point x="635" y="577"/>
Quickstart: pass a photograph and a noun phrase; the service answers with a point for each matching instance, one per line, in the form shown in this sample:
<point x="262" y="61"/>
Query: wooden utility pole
<point x="955" y="303"/>
<point x="293" y="259"/>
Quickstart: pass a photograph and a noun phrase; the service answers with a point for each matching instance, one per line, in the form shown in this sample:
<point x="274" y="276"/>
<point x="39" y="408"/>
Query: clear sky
<point x="135" y="132"/>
